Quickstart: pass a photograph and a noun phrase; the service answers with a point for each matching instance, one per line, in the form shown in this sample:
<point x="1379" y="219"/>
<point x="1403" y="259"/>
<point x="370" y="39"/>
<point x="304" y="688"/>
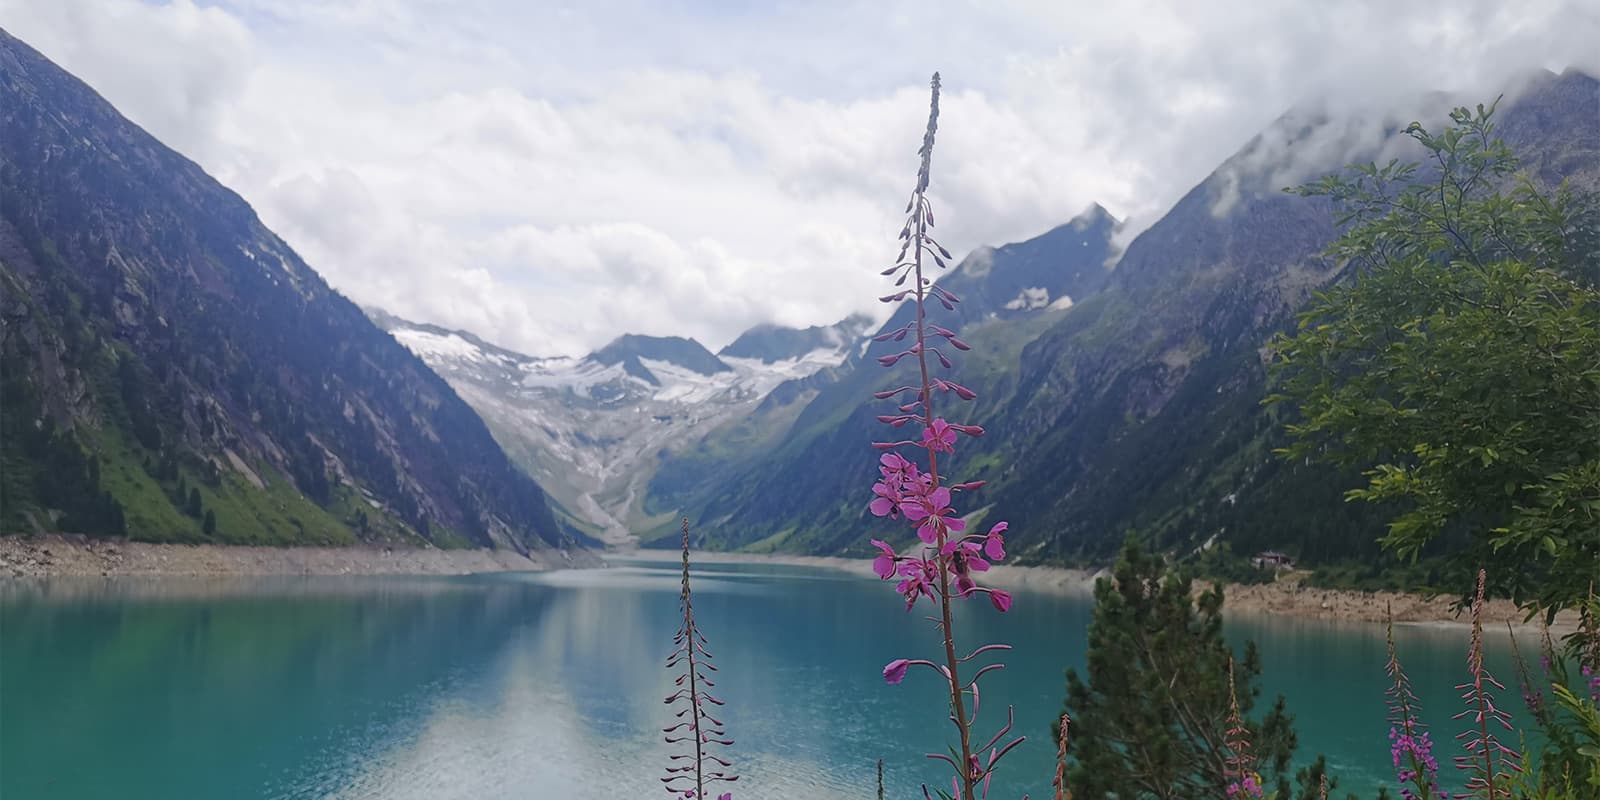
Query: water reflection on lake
<point x="550" y="685"/>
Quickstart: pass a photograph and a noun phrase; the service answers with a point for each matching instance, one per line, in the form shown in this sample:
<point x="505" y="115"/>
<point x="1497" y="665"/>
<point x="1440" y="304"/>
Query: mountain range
<point x="1121" y="388"/>
<point x="592" y="429"/>
<point x="171" y="369"/>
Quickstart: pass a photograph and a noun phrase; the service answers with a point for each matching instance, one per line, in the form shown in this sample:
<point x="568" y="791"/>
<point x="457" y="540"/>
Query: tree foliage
<point x="1150" y="716"/>
<point x="1459" y="362"/>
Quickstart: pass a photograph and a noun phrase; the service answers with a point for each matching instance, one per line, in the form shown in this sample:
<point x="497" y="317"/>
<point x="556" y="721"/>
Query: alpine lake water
<point x="550" y="685"/>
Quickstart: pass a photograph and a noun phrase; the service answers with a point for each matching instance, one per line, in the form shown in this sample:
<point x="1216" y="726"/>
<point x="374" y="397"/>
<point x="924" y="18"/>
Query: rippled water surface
<point x="550" y="685"/>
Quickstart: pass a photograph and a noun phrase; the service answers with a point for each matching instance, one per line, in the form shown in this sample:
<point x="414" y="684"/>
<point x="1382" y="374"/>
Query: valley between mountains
<point x="174" y="372"/>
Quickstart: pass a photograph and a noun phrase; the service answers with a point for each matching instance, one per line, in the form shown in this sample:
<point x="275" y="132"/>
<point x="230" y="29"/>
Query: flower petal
<point x="895" y="671"/>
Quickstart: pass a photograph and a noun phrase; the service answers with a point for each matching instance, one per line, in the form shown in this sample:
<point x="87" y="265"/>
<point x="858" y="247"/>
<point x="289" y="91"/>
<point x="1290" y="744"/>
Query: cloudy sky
<point x="551" y="175"/>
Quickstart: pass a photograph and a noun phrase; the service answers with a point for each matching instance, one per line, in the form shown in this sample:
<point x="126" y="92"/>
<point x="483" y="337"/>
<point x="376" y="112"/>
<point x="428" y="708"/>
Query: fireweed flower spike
<point x="945" y="560"/>
<point x="688" y="773"/>
<point x="1532" y="695"/>
<point x="1240" y="764"/>
<point x="1060" y="782"/>
<point x="1484" y="750"/>
<point x="1409" y="745"/>
<point x="1587" y="644"/>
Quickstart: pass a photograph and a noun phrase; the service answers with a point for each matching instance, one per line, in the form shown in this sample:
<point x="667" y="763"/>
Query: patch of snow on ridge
<point x="432" y="347"/>
<point x="750" y="379"/>
<point x="683" y="385"/>
<point x="569" y="373"/>
<point x="1030" y="299"/>
<point x="759" y="378"/>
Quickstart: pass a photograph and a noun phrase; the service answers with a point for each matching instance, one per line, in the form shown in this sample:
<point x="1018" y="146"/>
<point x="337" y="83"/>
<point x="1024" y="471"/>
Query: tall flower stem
<point x="696" y="721"/>
<point x="958" y="706"/>
<point x="1490" y="761"/>
<point x="1060" y="782"/>
<point x="942" y="565"/>
<point x="694" y="672"/>
<point x="1411" y="748"/>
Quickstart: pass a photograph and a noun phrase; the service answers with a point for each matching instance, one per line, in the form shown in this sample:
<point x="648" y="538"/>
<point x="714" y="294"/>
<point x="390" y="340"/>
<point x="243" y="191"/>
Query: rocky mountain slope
<point x="1139" y="406"/>
<point x="170" y="369"/>
<point x="804" y="448"/>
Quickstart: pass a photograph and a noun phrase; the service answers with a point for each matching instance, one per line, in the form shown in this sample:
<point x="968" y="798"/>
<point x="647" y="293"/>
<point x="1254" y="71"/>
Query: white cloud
<point x="550" y="178"/>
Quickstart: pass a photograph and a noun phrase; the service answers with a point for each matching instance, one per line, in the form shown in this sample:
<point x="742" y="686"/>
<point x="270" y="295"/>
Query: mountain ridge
<point x="591" y="428"/>
<point x="168" y="355"/>
<point x="1136" y="408"/>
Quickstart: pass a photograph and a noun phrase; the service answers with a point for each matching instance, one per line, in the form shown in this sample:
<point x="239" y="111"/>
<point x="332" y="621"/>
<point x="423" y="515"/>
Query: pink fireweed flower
<point x="939" y="437"/>
<point x="1249" y="786"/>
<point x="896" y="468"/>
<point x="1410" y="747"/>
<point x="933" y="513"/>
<point x="1240" y="762"/>
<point x="887" y="502"/>
<point x="994" y="545"/>
<point x="946" y="563"/>
<point x="920" y="575"/>
<point x="895" y="671"/>
<point x="884" y="564"/>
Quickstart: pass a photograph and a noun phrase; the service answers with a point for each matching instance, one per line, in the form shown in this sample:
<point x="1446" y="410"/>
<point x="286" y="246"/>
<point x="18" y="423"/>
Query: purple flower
<point x="1250" y="786"/>
<point x="946" y="562"/>
<point x="934" y="513"/>
<point x="919" y="574"/>
<point x="994" y="545"/>
<point x="884" y="564"/>
<point x="887" y="502"/>
<point x="939" y="437"/>
<point x="895" y="671"/>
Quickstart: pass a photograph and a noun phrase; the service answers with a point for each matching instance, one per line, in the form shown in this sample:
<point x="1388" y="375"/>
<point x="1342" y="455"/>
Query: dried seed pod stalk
<point x="689" y="773"/>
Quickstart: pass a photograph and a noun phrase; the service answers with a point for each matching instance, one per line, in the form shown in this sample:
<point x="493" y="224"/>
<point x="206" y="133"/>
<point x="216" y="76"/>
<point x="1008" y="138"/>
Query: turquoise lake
<point x="551" y="685"/>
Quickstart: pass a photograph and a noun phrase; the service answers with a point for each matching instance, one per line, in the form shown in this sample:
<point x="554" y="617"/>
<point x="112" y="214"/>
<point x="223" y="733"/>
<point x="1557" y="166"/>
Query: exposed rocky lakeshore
<point x="60" y="555"/>
<point x="1288" y="596"/>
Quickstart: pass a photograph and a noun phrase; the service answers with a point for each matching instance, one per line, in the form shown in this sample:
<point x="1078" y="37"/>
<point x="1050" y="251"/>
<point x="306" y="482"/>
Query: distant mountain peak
<point x="629" y="348"/>
<point x="399" y="326"/>
<point x="1093" y="214"/>
<point x="772" y="343"/>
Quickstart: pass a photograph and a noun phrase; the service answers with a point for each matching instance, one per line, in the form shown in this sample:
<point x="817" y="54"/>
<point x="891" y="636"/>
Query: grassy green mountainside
<point x="1139" y="408"/>
<point x="171" y="370"/>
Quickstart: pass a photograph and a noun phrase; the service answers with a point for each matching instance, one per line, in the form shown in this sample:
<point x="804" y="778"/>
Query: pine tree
<point x="1151" y="717"/>
<point x="193" y="507"/>
<point x="209" y="527"/>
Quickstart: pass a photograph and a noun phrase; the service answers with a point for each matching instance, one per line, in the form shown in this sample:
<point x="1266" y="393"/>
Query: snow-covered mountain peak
<point x="590" y="428"/>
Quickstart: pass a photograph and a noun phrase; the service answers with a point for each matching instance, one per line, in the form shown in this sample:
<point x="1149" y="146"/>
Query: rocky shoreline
<point x="58" y="555"/>
<point x="62" y="555"/>
<point x="1286" y="597"/>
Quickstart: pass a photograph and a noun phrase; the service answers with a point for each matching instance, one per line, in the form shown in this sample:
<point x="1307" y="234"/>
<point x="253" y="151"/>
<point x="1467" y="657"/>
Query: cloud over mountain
<point x="552" y="179"/>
